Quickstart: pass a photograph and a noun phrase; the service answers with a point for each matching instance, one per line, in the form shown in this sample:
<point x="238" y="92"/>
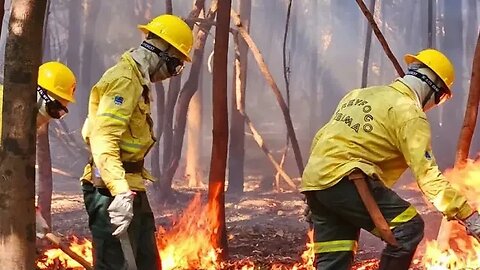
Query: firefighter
<point x="119" y="132"/>
<point x="377" y="133"/>
<point x="55" y="90"/>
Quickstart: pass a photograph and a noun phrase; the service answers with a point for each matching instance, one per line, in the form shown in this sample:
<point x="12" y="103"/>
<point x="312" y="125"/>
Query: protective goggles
<point x="174" y="65"/>
<point x="54" y="108"/>
<point x="440" y="92"/>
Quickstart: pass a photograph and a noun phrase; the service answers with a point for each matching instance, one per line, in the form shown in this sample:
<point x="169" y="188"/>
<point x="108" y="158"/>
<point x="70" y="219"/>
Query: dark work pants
<point x="107" y="251"/>
<point x="338" y="214"/>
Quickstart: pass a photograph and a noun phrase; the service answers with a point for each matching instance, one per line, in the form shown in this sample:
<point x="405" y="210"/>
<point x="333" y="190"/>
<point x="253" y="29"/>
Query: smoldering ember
<point x="239" y="134"/>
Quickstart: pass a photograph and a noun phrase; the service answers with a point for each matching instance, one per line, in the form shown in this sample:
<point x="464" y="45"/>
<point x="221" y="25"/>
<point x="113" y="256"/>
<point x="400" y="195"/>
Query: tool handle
<point x="372" y="208"/>
<point x="58" y="243"/>
<point x="127" y="251"/>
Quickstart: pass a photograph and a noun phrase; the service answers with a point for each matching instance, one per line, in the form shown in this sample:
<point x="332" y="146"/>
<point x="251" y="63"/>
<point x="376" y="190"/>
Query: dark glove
<point x="307" y="213"/>
<point x="472" y="225"/>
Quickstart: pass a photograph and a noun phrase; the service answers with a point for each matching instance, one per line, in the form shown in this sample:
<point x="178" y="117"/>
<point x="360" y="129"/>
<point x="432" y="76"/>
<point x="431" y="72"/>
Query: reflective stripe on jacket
<point x="119" y="126"/>
<point x="382" y="131"/>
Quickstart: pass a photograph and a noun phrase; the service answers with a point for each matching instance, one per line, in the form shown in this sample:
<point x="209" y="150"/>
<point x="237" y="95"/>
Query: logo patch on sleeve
<point x="427" y="155"/>
<point x="118" y="100"/>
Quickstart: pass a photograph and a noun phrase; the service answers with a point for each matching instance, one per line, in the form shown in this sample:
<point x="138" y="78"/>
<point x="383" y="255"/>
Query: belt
<point x="128" y="166"/>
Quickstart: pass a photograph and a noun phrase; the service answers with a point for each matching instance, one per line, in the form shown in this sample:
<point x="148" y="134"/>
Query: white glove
<point x="472" y="224"/>
<point x="121" y="212"/>
<point x="41" y="226"/>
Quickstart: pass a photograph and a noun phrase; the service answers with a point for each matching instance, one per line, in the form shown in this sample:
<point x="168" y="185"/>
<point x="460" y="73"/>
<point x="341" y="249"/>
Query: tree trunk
<point x="380" y="37"/>
<point x="17" y="157"/>
<point x="366" y="53"/>
<point x="164" y="185"/>
<point x="168" y="7"/>
<point x="286" y="77"/>
<point x="45" y="184"/>
<point x="73" y="49"/>
<point x="2" y="13"/>
<point x="88" y="56"/>
<point x="472" y="24"/>
<point x="6" y="11"/>
<point x="471" y="112"/>
<point x="193" y="170"/>
<point x="189" y="88"/>
<point x="278" y="95"/>
<point x="218" y="163"/>
<point x="160" y="109"/>
<point x="431" y="24"/>
<point x="236" y="152"/>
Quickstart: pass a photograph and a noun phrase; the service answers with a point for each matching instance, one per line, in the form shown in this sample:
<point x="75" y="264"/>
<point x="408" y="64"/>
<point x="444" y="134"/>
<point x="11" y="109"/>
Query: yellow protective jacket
<point x="119" y="127"/>
<point x="382" y="131"/>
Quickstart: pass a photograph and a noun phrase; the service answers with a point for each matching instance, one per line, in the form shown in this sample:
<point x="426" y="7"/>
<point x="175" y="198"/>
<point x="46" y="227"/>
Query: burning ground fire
<point x="187" y="245"/>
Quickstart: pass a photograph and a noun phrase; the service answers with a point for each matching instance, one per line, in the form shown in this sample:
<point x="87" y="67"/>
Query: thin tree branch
<point x="268" y="76"/>
<point x="380" y="37"/>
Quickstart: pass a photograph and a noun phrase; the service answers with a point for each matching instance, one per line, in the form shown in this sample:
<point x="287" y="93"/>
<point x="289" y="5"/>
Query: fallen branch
<point x="380" y="37"/>
<point x="58" y="243"/>
<point x="261" y="143"/>
<point x="269" y="78"/>
<point x="256" y="135"/>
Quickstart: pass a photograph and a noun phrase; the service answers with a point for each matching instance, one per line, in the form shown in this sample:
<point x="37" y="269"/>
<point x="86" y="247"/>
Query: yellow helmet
<point x="173" y="30"/>
<point x="58" y="80"/>
<point x="437" y="62"/>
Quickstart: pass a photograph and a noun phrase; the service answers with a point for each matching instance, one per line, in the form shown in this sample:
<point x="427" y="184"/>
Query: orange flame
<point x="465" y="253"/>
<point x="82" y="247"/>
<point x="187" y="245"/>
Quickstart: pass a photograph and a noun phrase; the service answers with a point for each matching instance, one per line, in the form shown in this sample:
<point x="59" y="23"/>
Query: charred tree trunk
<point x="45" y="184"/>
<point x="286" y="77"/>
<point x="193" y="170"/>
<point x="236" y="152"/>
<point x="170" y="163"/>
<point x="218" y="163"/>
<point x="366" y="54"/>
<point x="172" y="96"/>
<point x="73" y="50"/>
<point x="168" y="7"/>
<point x="88" y="53"/>
<point x="23" y="56"/>
<point x="44" y="161"/>
<point x="188" y="90"/>
<point x="160" y="107"/>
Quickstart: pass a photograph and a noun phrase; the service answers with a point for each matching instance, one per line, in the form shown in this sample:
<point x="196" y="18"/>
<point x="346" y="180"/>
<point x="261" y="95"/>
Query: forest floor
<point x="263" y="225"/>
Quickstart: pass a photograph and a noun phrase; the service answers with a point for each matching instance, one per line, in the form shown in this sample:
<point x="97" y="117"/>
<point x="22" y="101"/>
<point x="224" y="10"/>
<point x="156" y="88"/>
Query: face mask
<point x="49" y="106"/>
<point x="167" y="67"/>
<point x="437" y="94"/>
